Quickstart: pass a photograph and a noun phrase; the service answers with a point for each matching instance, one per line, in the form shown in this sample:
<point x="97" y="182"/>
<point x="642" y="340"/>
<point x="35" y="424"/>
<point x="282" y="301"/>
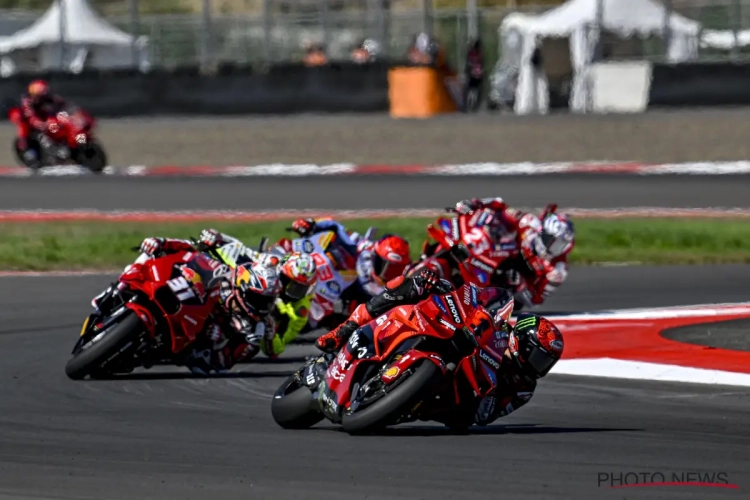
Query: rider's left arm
<point x="297" y="314"/>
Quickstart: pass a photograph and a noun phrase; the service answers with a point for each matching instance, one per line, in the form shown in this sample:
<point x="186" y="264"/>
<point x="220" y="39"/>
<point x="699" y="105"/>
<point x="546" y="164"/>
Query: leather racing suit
<point x="34" y="116"/>
<point x="290" y="316"/>
<point x="232" y="336"/>
<point x="543" y="274"/>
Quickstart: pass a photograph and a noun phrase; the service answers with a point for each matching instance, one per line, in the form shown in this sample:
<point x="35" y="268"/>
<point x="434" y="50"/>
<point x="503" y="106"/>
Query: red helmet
<point x="390" y="257"/>
<point x="38" y="89"/>
<point x="535" y="344"/>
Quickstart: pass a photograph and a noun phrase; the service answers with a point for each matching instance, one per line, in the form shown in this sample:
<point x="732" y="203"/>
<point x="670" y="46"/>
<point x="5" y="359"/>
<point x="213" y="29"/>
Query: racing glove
<point x="464" y="207"/>
<point x="427" y="279"/>
<point x="152" y="246"/>
<point x="304" y="227"/>
<point x="210" y="238"/>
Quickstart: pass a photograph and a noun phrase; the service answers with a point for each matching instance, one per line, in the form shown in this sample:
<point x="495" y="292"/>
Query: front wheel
<point x="103" y="347"/>
<point x="293" y="407"/>
<point x="392" y="404"/>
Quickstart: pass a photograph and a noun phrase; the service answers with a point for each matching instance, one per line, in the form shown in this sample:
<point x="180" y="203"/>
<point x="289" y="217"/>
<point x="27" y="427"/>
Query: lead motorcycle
<point x="151" y="315"/>
<point x="417" y="362"/>
<point x="463" y="252"/>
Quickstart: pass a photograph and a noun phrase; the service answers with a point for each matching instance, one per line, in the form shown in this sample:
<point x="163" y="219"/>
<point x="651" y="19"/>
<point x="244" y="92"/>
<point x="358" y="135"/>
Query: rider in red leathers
<point x="542" y="242"/>
<point x="38" y="105"/>
<point x="518" y="355"/>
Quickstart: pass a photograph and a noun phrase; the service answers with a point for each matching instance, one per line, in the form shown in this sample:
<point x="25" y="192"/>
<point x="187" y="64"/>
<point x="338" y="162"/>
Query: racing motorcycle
<point x="464" y="252"/>
<point x="157" y="308"/>
<point x="417" y="362"/>
<point x="69" y="139"/>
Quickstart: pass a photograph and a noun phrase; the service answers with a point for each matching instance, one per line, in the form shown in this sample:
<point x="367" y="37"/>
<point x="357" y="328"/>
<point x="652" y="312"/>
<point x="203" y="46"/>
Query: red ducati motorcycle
<point x="462" y="251"/>
<point x="69" y="139"/>
<point x="157" y="308"/>
<point x="417" y="362"/>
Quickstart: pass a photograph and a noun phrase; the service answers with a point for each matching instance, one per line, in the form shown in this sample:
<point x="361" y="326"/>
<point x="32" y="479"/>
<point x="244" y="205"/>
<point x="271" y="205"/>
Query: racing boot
<point x="335" y="339"/>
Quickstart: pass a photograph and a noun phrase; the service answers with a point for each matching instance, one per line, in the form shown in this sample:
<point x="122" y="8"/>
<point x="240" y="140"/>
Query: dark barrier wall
<point x="287" y="88"/>
<point x="700" y="84"/>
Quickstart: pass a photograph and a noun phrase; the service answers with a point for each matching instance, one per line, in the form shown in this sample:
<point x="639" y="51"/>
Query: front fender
<point x="145" y="315"/>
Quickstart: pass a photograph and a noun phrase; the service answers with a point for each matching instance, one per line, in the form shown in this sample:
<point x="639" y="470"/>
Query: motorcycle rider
<point x="519" y="355"/>
<point x="542" y="242"/>
<point x="242" y="319"/>
<point x="376" y="262"/>
<point x="38" y="105"/>
<point x="297" y="273"/>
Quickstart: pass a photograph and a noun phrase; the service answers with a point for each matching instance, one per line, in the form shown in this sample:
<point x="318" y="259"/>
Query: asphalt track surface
<point x="371" y="192"/>
<point x="656" y="136"/>
<point x="163" y="434"/>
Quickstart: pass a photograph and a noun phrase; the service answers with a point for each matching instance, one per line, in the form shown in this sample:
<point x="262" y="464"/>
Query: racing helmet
<point x="297" y="275"/>
<point x="535" y="345"/>
<point x="255" y="289"/>
<point x="38" y="90"/>
<point x="558" y="234"/>
<point x="390" y="257"/>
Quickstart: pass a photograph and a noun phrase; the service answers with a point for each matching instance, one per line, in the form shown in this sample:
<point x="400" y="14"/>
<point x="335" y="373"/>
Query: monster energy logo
<point x="526" y="322"/>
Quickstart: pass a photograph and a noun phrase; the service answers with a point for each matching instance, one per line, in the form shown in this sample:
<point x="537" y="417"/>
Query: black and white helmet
<point x="558" y="234"/>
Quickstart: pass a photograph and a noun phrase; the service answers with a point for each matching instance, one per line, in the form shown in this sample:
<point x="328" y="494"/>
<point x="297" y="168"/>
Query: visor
<point x="555" y="245"/>
<point x="540" y="361"/>
<point x="385" y="270"/>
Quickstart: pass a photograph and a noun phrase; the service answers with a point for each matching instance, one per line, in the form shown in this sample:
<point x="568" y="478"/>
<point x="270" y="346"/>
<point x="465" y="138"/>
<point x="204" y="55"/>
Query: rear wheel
<point x="292" y="406"/>
<point x="392" y="404"/>
<point x="102" y="348"/>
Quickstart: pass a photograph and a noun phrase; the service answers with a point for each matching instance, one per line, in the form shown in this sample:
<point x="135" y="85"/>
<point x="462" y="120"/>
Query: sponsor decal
<point x="391" y="373"/>
<point x="481" y="265"/>
<point x="556" y="345"/>
<point x="307" y="246"/>
<point x="334" y="287"/>
<point x="489" y="360"/>
<point x="439" y="303"/>
<point x="336" y="374"/>
<point x="354" y="340"/>
<point x="324" y="239"/>
<point x="447" y="325"/>
<point x="467" y="295"/>
<point x="500" y="342"/>
<point x="474" y="296"/>
<point x="453" y="309"/>
<point x="454" y="229"/>
<point x="527" y="322"/>
<point x="486" y="407"/>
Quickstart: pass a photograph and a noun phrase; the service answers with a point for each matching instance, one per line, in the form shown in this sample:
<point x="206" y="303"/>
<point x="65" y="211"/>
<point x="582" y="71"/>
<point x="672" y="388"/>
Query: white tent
<point x="580" y="21"/>
<point x="87" y="38"/>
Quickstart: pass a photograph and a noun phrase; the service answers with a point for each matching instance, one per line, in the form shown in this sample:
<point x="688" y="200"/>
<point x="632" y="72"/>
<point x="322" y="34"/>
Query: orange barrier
<point x="418" y="92"/>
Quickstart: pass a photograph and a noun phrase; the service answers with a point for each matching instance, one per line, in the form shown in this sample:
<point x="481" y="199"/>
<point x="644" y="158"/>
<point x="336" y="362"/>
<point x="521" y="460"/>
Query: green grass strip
<point x="101" y="245"/>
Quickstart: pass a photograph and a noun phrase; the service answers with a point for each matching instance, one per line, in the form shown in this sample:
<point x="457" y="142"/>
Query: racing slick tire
<point x="382" y="412"/>
<point x="88" y="361"/>
<point x="292" y="407"/>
